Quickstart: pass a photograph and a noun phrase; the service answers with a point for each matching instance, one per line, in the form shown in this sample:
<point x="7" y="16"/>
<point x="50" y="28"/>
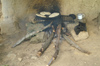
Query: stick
<point x="46" y="36"/>
<point x="75" y="45"/>
<point x="46" y="45"/>
<point x="30" y="34"/>
<point x="56" y="46"/>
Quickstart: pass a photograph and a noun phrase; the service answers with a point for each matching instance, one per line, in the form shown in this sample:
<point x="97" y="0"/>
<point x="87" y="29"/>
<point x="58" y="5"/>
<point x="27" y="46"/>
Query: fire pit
<point x="54" y="27"/>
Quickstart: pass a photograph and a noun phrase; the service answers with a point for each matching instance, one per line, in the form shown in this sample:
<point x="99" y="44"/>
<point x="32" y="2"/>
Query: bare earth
<point x="25" y="54"/>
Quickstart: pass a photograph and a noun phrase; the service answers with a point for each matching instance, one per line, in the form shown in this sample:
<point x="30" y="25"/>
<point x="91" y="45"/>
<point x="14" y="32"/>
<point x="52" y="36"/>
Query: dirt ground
<point x="25" y="54"/>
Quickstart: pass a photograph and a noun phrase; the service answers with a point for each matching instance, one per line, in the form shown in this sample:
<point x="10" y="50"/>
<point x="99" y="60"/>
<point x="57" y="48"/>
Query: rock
<point x="34" y="57"/>
<point x="81" y="36"/>
<point x="38" y="38"/>
<point x="71" y="26"/>
<point x="20" y="59"/>
<point x="33" y="27"/>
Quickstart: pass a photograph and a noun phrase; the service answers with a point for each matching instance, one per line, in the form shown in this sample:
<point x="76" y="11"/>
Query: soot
<point x="45" y="21"/>
<point x="61" y="19"/>
<point x="47" y="5"/>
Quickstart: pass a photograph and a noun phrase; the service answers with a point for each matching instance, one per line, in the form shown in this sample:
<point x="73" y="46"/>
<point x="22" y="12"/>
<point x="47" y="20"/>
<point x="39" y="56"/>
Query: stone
<point x="38" y="38"/>
<point x="20" y="59"/>
<point x="33" y="27"/>
<point x="34" y="57"/>
<point x="81" y="36"/>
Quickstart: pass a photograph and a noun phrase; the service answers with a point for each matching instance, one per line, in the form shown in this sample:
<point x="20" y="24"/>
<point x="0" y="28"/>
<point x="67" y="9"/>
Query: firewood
<point x="30" y="34"/>
<point x="75" y="45"/>
<point x="45" y="45"/>
<point x="56" y="45"/>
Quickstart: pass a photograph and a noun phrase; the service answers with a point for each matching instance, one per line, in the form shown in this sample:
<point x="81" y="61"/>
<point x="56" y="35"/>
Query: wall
<point x="16" y="11"/>
<point x="89" y="7"/>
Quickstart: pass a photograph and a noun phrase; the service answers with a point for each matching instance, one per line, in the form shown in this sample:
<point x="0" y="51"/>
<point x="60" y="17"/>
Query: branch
<point x="75" y="45"/>
<point x="46" y="45"/>
<point x="30" y="34"/>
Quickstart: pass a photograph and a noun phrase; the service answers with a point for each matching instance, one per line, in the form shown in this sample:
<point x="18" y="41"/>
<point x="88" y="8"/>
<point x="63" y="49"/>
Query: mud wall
<point x="89" y="7"/>
<point x="14" y="11"/>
